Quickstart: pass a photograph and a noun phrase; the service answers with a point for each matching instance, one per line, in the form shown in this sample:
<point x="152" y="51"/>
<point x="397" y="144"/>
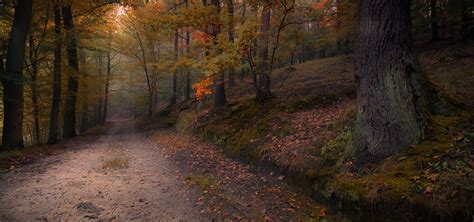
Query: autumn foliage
<point x="202" y="88"/>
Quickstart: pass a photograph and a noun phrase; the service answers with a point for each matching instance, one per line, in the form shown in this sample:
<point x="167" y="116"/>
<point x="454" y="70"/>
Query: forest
<point x="237" y="110"/>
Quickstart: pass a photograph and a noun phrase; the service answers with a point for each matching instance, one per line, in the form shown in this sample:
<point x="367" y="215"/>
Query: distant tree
<point x="56" y="100"/>
<point x="72" y="83"/>
<point x="390" y="98"/>
<point x="219" y="80"/>
<point x="13" y="76"/>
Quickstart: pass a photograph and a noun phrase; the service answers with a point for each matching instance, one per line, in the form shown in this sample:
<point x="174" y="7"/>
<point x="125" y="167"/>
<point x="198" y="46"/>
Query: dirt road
<point x="124" y="175"/>
<point x="109" y="177"/>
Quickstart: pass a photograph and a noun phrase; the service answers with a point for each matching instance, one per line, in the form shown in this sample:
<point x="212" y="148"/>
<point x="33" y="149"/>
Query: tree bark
<point x="187" y="91"/>
<point x="34" y="90"/>
<point x="175" y="73"/>
<point x="219" y="78"/>
<point x="73" y="84"/>
<point x="434" y="20"/>
<point x="231" y="35"/>
<point x="13" y="78"/>
<point x="56" y="101"/>
<point x="389" y="94"/>
<point x="264" y="85"/>
<point x="107" y="84"/>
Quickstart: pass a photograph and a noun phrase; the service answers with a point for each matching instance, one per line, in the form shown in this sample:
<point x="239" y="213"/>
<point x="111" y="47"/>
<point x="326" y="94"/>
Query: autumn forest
<point x="237" y="110"/>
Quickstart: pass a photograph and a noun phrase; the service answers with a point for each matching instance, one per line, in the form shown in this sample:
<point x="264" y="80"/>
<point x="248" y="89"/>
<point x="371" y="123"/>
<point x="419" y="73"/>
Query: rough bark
<point x="219" y="78"/>
<point x="13" y="78"/>
<point x="390" y="98"/>
<point x="56" y="100"/>
<point x="434" y="20"/>
<point x="69" y="127"/>
<point x="264" y="85"/>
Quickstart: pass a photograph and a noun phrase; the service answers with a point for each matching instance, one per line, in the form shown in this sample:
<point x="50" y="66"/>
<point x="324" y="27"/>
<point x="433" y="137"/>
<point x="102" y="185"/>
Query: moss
<point x="115" y="164"/>
<point x="203" y="181"/>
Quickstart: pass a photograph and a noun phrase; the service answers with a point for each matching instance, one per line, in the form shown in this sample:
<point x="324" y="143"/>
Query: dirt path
<point x="111" y="177"/>
<point x="121" y="175"/>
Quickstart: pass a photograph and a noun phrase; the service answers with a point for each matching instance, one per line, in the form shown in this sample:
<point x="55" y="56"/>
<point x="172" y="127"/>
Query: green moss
<point x="115" y="164"/>
<point x="203" y="181"/>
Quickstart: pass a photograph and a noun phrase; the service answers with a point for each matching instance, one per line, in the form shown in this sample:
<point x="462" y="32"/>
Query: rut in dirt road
<point x="117" y="176"/>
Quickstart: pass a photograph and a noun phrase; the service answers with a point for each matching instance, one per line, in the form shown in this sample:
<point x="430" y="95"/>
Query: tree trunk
<point x="219" y="78"/>
<point x="34" y="91"/>
<point x="434" y="20"/>
<point x="107" y="84"/>
<point x="84" y="125"/>
<point x="13" y="78"/>
<point x="175" y="73"/>
<point x="389" y="93"/>
<point x="54" y="117"/>
<point x="188" y="72"/>
<point x="230" y="19"/>
<point x="72" y="84"/>
<point x="264" y="87"/>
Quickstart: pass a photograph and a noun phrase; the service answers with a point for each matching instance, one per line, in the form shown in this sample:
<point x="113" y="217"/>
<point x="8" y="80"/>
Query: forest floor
<point x="118" y="174"/>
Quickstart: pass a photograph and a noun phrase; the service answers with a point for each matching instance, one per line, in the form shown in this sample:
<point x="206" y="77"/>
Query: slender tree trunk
<point x="107" y="84"/>
<point x="100" y="102"/>
<point x="175" y="74"/>
<point x="389" y="93"/>
<point x="264" y="87"/>
<point x="85" y="94"/>
<point x="219" y="78"/>
<point x="34" y="91"/>
<point x="187" y="91"/>
<point x="73" y="84"/>
<point x="56" y="101"/>
<point x="434" y="20"/>
<point x="13" y="78"/>
<point x="231" y="35"/>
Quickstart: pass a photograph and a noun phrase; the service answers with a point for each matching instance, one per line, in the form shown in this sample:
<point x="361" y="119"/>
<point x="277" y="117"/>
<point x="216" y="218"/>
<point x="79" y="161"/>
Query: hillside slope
<point x="306" y="132"/>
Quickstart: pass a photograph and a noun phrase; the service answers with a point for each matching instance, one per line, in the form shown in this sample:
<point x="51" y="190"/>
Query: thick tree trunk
<point x="434" y="20"/>
<point x="72" y="84"/>
<point x="219" y="78"/>
<point x="264" y="85"/>
<point x="389" y="93"/>
<point x="13" y="78"/>
<point x="54" y="117"/>
<point x="231" y="35"/>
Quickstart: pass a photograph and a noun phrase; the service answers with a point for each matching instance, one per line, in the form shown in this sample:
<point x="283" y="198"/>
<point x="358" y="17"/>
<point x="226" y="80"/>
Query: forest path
<point x="117" y="176"/>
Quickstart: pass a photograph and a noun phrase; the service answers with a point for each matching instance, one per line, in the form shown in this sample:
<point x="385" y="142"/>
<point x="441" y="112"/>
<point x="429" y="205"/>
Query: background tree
<point x="13" y="77"/>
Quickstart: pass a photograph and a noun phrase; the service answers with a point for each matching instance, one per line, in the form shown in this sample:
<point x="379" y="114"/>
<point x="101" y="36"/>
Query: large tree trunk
<point x="13" y="78"/>
<point x="54" y="117"/>
<point x="72" y="84"/>
<point x="264" y="87"/>
<point x="84" y="125"/>
<point x="219" y="78"/>
<point x="434" y="20"/>
<point x="389" y="93"/>
<point x="231" y="35"/>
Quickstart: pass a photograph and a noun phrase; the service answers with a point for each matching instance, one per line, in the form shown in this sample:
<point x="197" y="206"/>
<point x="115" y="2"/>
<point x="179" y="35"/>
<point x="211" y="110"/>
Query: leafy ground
<point x="305" y="132"/>
<point x="118" y="174"/>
